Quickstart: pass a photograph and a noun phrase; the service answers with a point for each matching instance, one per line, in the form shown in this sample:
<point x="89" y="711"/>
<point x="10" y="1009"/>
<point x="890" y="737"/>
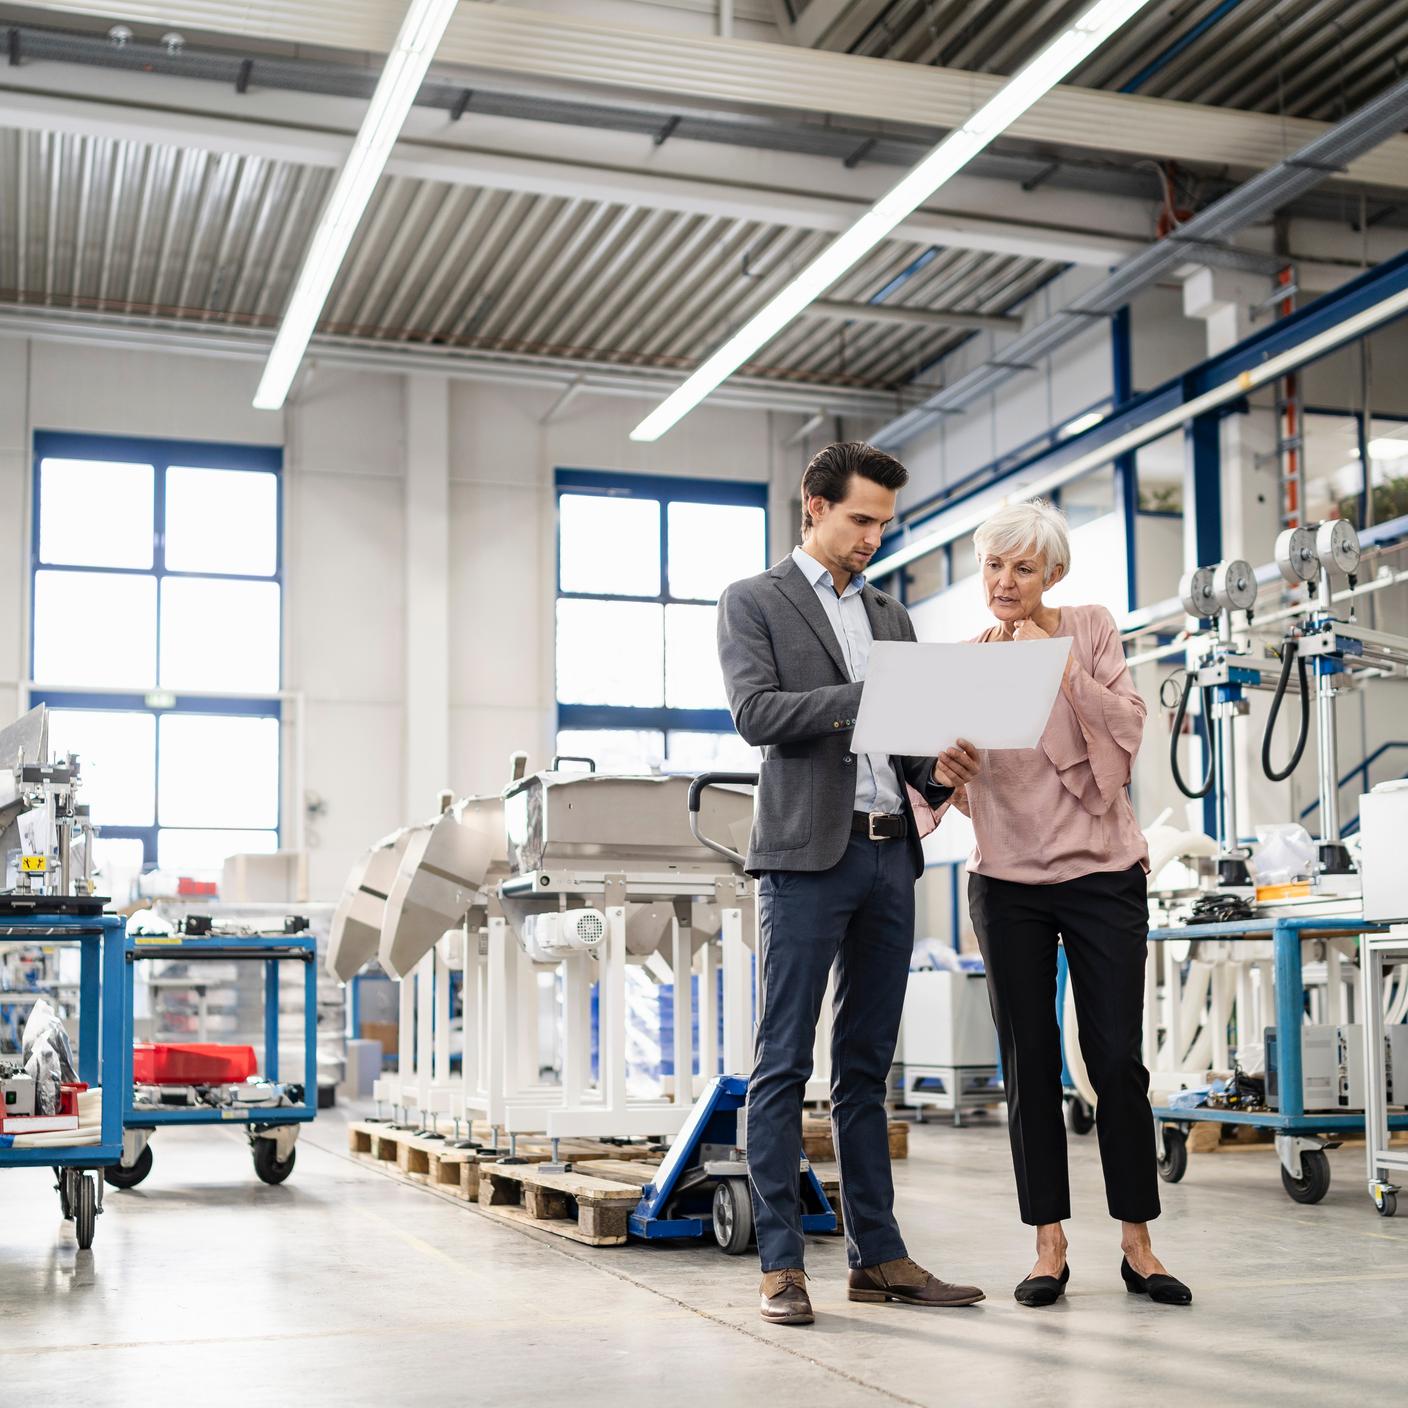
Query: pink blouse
<point x="1062" y="809"/>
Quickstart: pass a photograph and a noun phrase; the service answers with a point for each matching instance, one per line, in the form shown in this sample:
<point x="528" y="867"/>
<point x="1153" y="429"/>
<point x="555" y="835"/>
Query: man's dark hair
<point x="830" y="471"/>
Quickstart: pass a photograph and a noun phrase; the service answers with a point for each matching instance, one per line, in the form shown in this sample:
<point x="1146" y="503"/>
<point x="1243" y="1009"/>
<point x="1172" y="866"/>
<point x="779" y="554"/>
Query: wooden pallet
<point x="578" y="1206"/>
<point x="590" y="1203"/>
<point x="818" y="1146"/>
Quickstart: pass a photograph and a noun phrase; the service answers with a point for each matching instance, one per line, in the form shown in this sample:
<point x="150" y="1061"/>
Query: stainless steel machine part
<point x="24" y="741"/>
<point x="355" y="933"/>
<point x="630" y="824"/>
<point x="441" y="872"/>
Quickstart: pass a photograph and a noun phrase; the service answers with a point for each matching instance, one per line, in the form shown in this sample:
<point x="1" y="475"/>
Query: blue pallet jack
<point x="703" y="1182"/>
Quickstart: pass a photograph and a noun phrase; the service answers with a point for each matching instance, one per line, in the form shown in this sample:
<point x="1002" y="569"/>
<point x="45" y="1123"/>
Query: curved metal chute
<point x="441" y="871"/>
<point x="356" y="922"/>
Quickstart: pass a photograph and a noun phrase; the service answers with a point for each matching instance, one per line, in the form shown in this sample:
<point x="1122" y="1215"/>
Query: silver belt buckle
<point x="871" y="820"/>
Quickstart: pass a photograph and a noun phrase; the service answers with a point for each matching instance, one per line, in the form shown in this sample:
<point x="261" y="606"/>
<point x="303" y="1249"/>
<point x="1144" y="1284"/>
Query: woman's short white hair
<point x="1017" y="527"/>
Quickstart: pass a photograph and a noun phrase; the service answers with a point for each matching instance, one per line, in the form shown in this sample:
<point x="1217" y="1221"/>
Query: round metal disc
<point x="1295" y="555"/>
<point x="1337" y="545"/>
<point x="1234" y="585"/>
<point x="1195" y="589"/>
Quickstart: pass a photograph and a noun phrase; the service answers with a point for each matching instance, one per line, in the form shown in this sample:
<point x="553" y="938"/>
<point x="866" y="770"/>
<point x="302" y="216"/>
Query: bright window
<point x="222" y="520"/>
<point x="641" y="564"/>
<point x="157" y="639"/>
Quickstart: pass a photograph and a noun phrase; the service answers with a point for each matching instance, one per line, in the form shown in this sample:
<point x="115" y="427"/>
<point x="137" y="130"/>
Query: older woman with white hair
<point x="1060" y="858"/>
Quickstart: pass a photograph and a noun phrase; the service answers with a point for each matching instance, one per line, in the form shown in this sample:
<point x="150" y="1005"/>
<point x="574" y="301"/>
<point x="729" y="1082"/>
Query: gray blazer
<point x="790" y="695"/>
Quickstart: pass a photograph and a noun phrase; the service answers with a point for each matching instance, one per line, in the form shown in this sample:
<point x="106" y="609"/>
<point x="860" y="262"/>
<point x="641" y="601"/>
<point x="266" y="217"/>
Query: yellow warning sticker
<point x="33" y="865"/>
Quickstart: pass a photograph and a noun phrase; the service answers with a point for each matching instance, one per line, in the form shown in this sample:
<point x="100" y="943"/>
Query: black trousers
<point x="859" y="915"/>
<point x="1103" y="922"/>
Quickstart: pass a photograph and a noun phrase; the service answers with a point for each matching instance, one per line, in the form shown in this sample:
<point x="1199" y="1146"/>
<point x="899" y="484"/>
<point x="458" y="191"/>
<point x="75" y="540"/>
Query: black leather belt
<point x="879" y="826"/>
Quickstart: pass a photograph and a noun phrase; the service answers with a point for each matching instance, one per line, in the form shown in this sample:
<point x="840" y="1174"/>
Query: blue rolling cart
<point x="1301" y="1141"/>
<point x="104" y="1055"/>
<point x="272" y="1129"/>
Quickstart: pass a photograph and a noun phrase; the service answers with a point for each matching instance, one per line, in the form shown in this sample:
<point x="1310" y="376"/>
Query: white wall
<point x="346" y="606"/>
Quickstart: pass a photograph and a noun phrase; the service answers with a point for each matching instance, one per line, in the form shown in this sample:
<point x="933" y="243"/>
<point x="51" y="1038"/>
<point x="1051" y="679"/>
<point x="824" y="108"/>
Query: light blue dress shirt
<point x="877" y="787"/>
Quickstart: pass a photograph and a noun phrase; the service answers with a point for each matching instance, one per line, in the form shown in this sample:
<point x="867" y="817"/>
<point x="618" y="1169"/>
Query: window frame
<point x="666" y="489"/>
<point x="162" y="455"/>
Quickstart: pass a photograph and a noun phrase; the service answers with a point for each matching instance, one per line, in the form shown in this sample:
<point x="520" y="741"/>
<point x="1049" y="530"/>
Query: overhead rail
<point x="1250" y="202"/>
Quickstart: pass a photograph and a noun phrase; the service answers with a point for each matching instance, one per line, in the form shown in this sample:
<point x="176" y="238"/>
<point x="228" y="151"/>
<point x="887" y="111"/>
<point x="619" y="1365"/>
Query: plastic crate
<point x="191" y="1063"/>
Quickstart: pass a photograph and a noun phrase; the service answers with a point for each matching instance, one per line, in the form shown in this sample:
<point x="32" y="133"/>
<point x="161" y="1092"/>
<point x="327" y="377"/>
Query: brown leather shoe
<point x="907" y="1282"/>
<point x="784" y="1297"/>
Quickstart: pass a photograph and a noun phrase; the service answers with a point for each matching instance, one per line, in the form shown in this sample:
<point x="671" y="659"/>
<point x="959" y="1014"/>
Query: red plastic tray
<point x="191" y="1063"/>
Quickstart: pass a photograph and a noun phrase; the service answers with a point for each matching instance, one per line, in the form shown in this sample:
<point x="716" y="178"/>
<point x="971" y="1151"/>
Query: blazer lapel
<point x="884" y="622"/>
<point x="793" y="584"/>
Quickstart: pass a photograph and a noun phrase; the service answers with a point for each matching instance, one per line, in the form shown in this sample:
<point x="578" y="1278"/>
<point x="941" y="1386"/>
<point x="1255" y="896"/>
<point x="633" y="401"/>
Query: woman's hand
<point x="960" y="800"/>
<point x="1028" y="630"/>
<point x="957" y="766"/>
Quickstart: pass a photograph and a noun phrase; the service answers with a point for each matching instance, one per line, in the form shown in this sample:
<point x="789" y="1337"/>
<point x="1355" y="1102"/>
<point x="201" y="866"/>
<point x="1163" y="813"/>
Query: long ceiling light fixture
<point x="396" y="89"/>
<point x="1014" y="98"/>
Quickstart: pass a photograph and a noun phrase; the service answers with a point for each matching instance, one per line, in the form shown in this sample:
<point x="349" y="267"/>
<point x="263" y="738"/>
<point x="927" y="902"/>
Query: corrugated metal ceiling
<point x="130" y="229"/>
<point x="1304" y="58"/>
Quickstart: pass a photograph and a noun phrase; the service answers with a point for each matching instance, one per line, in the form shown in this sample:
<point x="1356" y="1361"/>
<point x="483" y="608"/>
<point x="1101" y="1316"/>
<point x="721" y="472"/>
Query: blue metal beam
<point x="1285" y="335"/>
<point x="1127" y="465"/>
<point x="1178" y="46"/>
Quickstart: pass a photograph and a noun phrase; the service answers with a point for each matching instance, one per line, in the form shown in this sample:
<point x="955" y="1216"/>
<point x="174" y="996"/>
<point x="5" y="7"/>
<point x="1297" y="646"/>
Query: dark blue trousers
<point x="858" y="915"/>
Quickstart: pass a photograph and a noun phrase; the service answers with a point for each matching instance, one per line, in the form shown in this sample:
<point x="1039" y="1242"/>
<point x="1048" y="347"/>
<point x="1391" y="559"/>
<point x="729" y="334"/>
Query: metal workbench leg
<point x="89" y="1006"/>
<point x="114" y="1072"/>
<point x="1290" y="1012"/>
<point x="271" y="1019"/>
<point x="1371" y="967"/>
<point x="310" y="1033"/>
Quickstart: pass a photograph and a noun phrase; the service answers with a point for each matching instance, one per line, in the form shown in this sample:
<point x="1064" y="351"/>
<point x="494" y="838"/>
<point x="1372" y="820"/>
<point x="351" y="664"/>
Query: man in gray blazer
<point x="835" y="847"/>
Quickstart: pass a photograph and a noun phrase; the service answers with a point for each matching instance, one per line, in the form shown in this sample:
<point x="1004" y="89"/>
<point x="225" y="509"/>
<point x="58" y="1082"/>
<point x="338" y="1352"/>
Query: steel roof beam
<point x="802" y="398"/>
<point x="778" y="76"/>
<point x="311" y="147"/>
<point x="919" y="317"/>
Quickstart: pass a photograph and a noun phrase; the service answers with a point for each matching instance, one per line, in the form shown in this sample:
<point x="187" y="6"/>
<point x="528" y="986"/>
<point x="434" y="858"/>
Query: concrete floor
<point x="345" y="1287"/>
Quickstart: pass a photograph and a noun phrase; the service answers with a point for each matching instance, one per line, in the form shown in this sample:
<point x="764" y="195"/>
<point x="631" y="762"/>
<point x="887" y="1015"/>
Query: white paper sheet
<point x="919" y="699"/>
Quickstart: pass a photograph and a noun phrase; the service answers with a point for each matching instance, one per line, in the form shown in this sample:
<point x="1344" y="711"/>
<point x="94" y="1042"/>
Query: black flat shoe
<point x="1043" y="1290"/>
<point x="1167" y="1290"/>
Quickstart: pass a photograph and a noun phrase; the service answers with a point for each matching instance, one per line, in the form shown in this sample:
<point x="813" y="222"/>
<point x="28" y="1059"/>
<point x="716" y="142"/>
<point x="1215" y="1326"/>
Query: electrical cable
<point x="1290" y="655"/>
<point x="1206" y="737"/>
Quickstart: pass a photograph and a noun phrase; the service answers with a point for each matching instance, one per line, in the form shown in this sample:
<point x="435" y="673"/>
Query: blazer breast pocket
<point x="783" y="819"/>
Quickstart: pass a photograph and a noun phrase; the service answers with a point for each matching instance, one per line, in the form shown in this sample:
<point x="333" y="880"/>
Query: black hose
<point x="1206" y="786"/>
<point x="1290" y="654"/>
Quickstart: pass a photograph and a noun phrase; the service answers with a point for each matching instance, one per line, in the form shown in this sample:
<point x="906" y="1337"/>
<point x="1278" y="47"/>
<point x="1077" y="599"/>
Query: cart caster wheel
<point x="85" y="1209"/>
<point x="733" y="1215"/>
<point x="1174" y="1163"/>
<point x="1387" y="1203"/>
<point x="1080" y="1118"/>
<point x="267" y="1163"/>
<point x="125" y="1176"/>
<point x="65" y="1207"/>
<point x="1314" y="1181"/>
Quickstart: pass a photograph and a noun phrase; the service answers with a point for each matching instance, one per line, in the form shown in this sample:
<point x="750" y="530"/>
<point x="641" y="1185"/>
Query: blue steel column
<point x="1126" y="466"/>
<point x="1202" y="519"/>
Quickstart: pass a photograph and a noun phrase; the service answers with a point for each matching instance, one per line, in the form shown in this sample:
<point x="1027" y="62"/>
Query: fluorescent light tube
<point x="1016" y="96"/>
<point x="396" y="89"/>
